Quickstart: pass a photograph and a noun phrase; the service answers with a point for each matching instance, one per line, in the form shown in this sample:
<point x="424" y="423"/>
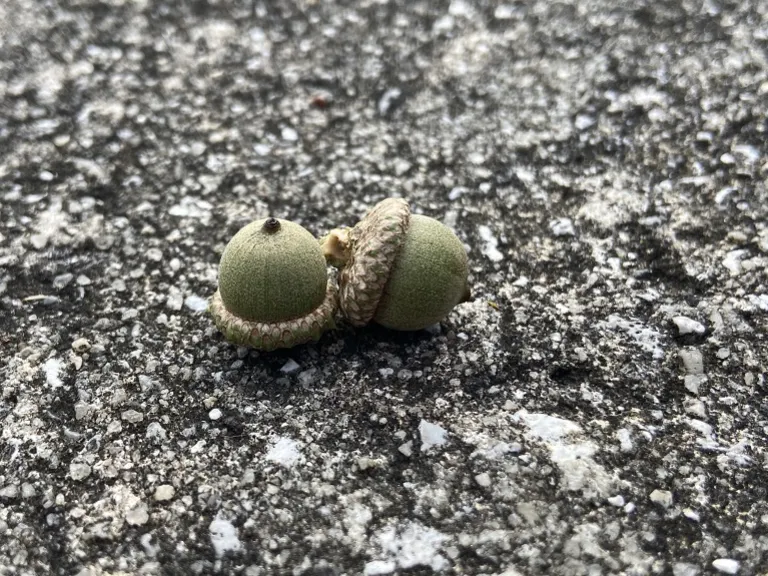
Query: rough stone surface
<point x="605" y="164"/>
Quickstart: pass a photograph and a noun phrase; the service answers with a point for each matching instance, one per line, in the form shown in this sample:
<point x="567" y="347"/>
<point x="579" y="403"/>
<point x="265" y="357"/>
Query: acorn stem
<point x="336" y="247"/>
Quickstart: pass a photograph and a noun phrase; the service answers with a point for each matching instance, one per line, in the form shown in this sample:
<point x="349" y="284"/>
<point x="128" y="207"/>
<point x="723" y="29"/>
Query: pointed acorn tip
<point x="271" y="225"/>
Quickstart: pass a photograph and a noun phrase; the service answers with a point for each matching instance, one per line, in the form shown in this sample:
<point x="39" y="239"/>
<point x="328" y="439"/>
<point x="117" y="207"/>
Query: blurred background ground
<point x="598" y="408"/>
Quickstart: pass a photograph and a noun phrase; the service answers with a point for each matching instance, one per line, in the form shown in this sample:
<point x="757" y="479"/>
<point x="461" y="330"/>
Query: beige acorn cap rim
<point x="374" y="244"/>
<point x="270" y="336"/>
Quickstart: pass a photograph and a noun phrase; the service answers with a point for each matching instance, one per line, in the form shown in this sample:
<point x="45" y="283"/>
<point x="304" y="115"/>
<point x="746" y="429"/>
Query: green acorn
<point x="274" y="290"/>
<point x="401" y="270"/>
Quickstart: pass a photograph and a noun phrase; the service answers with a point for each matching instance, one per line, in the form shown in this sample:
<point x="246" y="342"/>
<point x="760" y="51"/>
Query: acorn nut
<point x="274" y="290"/>
<point x="401" y="270"/>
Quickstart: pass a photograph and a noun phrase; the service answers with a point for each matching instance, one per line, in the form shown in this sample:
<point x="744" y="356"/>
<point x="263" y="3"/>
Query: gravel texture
<point x="599" y="407"/>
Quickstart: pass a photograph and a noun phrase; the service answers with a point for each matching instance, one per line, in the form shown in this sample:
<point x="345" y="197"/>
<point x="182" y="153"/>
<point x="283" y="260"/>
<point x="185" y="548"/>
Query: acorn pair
<point x="401" y="270"/>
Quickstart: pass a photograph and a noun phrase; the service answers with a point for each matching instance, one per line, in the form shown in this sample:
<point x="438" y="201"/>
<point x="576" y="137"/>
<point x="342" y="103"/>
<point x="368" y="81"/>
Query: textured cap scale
<point x="374" y="244"/>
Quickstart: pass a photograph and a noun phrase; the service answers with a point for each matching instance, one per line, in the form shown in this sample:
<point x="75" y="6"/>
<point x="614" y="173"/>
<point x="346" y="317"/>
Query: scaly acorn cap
<point x="367" y="253"/>
<point x="403" y="271"/>
<point x="274" y="290"/>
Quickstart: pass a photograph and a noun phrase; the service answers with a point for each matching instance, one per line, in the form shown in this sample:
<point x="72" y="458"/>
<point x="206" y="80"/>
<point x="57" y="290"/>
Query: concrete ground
<point x="599" y="407"/>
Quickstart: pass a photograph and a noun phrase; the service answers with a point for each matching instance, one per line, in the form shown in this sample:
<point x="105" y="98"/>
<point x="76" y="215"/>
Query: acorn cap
<point x="269" y="336"/>
<point x="372" y="246"/>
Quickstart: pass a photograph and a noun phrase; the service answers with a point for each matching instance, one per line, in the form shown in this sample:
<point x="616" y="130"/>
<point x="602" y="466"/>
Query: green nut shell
<point x="403" y="271"/>
<point x="428" y="278"/>
<point x="273" y="287"/>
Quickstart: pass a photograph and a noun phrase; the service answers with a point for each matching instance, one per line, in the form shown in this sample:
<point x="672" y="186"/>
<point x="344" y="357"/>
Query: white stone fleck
<point x="406" y="449"/>
<point x="617" y="501"/>
<point x="584" y="121"/>
<point x="156" y="433"/>
<point x="732" y="261"/>
<point x="687" y="325"/>
<point x="224" y="537"/>
<point x="644" y="337"/>
<point x="693" y="381"/>
<point x="490" y="244"/>
<point x="175" y="299"/>
<point x="379" y="567"/>
<point x="132" y="416"/>
<point x="214" y="414"/>
<point x="483" y="479"/>
<point x="726" y="565"/>
<point x="137" y="515"/>
<point x="290" y="366"/>
<point x="9" y="492"/>
<point x="79" y="471"/>
<point x="691" y="515"/>
<point x="504" y="12"/>
<point x="684" y="569"/>
<point x="662" y="497"/>
<point x="693" y="361"/>
<point x="289" y="134"/>
<point x="387" y="99"/>
<point x="284" y="451"/>
<point x="401" y="167"/>
<point x="81" y="345"/>
<point x="164" y="492"/>
<point x="411" y="544"/>
<point x="562" y="227"/>
<point x="51" y="369"/>
<point x="723" y="194"/>
<point x="196" y="303"/>
<point x="197" y="148"/>
<point x="624" y="437"/>
<point x="431" y="435"/>
<point x="546" y="427"/>
<point x="27" y="490"/>
<point x="189" y="207"/>
<point x="750" y="153"/>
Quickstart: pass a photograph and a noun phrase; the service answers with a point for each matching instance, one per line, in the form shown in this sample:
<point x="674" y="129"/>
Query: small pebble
<point x="406" y="449"/>
<point x="214" y="414"/>
<point x="27" y="490"/>
<point x="687" y="325"/>
<point x="81" y="345"/>
<point x="483" y="480"/>
<point x="684" y="569"/>
<point x="693" y="361"/>
<point x="62" y="280"/>
<point x="662" y="497"/>
<point x="290" y="366"/>
<point x="616" y="500"/>
<point x="9" y="492"/>
<point x="79" y="471"/>
<point x="132" y="416"/>
<point x="137" y="516"/>
<point x="726" y="566"/>
<point x="164" y="492"/>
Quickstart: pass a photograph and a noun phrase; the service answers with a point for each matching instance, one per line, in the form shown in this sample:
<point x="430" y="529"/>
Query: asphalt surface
<point x="598" y="408"/>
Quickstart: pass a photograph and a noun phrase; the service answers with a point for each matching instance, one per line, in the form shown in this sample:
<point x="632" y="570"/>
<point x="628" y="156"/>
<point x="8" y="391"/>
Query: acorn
<point x="401" y="270"/>
<point x="274" y="290"/>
